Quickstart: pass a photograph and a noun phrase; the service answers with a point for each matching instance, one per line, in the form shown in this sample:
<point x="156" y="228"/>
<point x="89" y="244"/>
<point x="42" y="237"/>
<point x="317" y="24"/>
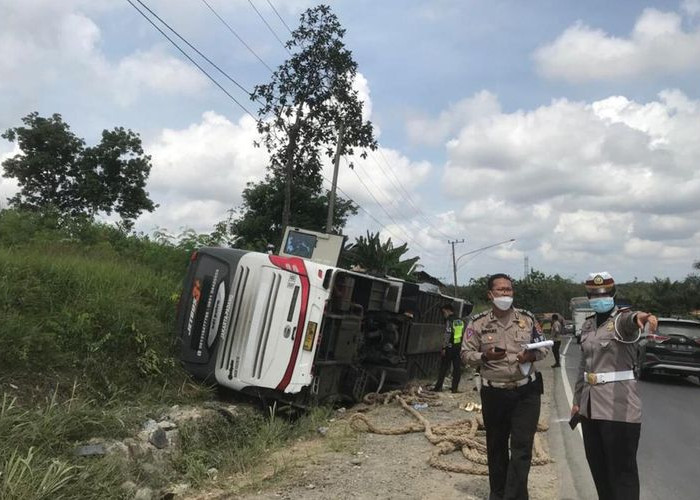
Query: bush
<point x="84" y="299"/>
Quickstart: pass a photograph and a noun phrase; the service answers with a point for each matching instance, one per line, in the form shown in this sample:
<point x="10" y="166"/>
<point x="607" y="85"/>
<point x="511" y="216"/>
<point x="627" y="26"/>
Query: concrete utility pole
<point x="334" y="184"/>
<point x="454" y="262"/>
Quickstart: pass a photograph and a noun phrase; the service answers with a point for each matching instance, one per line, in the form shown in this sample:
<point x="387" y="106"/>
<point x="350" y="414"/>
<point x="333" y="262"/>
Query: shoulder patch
<point x="527" y="313"/>
<point x="480" y="315"/>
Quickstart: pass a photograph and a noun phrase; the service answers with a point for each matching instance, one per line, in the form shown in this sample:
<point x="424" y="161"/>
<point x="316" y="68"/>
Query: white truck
<point x="580" y="309"/>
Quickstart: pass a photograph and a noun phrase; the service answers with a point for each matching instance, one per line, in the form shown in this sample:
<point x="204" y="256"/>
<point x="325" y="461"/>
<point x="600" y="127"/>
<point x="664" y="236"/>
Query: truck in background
<point x="580" y="309"/>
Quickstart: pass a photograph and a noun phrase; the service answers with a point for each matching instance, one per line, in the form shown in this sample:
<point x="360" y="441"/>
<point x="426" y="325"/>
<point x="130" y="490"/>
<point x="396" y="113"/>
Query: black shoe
<point x="557" y="365"/>
<point x="456" y="391"/>
<point x="434" y="389"/>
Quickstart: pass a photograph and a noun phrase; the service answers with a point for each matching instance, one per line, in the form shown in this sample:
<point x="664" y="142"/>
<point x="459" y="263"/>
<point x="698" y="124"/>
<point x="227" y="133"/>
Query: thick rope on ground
<point x="467" y="435"/>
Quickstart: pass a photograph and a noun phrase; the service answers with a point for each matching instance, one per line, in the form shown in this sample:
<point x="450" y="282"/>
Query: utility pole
<point x="454" y="262"/>
<point x="331" y="195"/>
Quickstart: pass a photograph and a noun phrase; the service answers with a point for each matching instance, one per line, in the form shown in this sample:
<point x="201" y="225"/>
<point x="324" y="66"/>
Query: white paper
<point x="537" y="345"/>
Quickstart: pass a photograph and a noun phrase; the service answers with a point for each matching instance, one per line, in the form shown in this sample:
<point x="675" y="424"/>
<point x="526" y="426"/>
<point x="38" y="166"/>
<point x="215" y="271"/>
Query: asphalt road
<point x="669" y="447"/>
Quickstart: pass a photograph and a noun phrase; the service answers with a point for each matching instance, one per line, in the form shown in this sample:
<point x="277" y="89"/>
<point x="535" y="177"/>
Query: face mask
<point x="602" y="304"/>
<point x="503" y="303"/>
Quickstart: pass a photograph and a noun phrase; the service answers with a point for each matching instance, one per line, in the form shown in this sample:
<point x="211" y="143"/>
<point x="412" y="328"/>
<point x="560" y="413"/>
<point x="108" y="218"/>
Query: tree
<point x="379" y="258"/>
<point x="56" y="171"/>
<point x="261" y="213"/>
<point x="309" y="106"/>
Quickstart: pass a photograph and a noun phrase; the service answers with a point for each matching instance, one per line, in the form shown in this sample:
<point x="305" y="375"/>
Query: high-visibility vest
<point x="457" y="331"/>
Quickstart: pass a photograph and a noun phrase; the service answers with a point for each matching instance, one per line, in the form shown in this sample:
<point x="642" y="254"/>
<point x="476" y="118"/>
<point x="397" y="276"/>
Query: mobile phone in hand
<point x="499" y="349"/>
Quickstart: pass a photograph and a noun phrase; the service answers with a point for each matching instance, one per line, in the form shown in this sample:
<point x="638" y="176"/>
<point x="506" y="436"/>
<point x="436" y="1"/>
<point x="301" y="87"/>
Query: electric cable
<point x="213" y="80"/>
<point x="347" y="197"/>
<point x="408" y="240"/>
<point x="280" y="17"/>
<point x="237" y="35"/>
<point x="409" y="199"/>
<point x="268" y="26"/>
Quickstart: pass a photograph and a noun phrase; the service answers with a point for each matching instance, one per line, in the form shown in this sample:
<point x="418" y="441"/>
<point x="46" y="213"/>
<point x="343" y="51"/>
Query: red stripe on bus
<point x="294" y="265"/>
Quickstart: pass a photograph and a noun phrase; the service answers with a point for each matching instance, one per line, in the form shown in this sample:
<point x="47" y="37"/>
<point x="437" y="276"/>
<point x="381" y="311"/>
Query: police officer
<point x="510" y="389"/>
<point x="606" y="391"/>
<point x="556" y="337"/>
<point x="451" y="345"/>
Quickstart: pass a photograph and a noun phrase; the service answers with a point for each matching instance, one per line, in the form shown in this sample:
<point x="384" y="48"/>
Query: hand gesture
<point x="526" y="357"/>
<point x="647" y="318"/>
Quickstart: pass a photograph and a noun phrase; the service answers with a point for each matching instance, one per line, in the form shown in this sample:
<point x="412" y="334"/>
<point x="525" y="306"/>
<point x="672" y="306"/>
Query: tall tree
<point x="307" y="103"/>
<point x="259" y="223"/>
<point x="378" y="257"/>
<point x="55" y="170"/>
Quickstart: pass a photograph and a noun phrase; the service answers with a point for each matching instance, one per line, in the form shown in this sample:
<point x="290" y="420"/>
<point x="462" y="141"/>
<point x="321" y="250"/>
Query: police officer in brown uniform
<point x="606" y="391"/>
<point x="511" y="387"/>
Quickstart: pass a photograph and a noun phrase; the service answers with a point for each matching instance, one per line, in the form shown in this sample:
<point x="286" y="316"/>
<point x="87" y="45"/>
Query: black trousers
<point x="611" y="451"/>
<point x="451" y="357"/>
<point x="555" y="351"/>
<point x="510" y="414"/>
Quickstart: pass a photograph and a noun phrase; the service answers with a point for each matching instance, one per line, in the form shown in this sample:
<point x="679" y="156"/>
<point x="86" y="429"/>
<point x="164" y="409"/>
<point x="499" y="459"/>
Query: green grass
<point x="86" y="349"/>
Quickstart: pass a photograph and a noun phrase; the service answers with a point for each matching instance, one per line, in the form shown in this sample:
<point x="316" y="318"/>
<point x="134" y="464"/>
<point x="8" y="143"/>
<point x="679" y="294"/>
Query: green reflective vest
<point x="457" y="331"/>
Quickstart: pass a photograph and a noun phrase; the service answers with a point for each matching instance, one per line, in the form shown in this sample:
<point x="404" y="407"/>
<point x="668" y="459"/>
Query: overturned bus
<point x="304" y="332"/>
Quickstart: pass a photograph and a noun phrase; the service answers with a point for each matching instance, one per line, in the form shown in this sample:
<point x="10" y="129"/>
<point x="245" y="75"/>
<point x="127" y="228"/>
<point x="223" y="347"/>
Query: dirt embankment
<point x="344" y="463"/>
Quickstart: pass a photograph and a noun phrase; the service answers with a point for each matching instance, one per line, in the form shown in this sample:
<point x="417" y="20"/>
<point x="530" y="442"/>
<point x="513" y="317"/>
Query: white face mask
<point x="503" y="303"/>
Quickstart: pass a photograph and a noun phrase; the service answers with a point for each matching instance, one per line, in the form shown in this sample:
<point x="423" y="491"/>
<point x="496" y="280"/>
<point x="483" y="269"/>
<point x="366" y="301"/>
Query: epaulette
<point x="479" y="316"/>
<point x="527" y="313"/>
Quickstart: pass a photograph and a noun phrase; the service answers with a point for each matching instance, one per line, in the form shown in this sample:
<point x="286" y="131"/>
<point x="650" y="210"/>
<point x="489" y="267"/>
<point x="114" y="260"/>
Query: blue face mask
<point x="602" y="304"/>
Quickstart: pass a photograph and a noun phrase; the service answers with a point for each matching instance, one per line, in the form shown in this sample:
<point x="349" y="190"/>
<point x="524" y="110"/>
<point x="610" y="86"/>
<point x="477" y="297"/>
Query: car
<point x="569" y="328"/>
<point x="673" y="348"/>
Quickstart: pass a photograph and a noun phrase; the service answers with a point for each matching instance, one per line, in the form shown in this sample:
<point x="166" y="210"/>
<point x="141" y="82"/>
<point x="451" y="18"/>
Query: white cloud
<point x="66" y="51"/>
<point x="423" y="130"/>
<point x="200" y="172"/>
<point x="691" y="7"/>
<point x="8" y="186"/>
<point x="577" y="183"/>
<point x="657" y="44"/>
<point x="361" y="86"/>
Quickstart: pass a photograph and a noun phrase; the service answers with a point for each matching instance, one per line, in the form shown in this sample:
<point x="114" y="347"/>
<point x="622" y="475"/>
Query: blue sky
<point x="569" y="126"/>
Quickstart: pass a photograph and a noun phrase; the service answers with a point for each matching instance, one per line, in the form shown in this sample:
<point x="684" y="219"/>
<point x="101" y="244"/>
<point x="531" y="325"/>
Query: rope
<point x="468" y="435"/>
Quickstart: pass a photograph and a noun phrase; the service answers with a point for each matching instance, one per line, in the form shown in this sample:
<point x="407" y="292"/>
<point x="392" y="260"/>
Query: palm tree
<point x="375" y="257"/>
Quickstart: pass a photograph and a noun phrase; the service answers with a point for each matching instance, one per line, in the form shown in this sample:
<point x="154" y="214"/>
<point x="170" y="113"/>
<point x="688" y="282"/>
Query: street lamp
<point x="455" y="261"/>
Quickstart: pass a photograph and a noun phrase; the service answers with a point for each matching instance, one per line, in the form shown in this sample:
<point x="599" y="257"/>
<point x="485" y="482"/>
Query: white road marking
<point x="567" y="384"/>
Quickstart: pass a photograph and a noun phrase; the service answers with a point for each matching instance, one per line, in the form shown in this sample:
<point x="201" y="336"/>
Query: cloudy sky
<point x="571" y="127"/>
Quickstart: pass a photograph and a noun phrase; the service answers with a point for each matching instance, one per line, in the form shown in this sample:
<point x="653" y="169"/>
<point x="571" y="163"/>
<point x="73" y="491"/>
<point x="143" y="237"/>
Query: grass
<point x="86" y="346"/>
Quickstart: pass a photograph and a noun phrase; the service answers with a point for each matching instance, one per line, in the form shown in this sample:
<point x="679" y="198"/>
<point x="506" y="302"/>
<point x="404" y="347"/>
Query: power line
<point x="237" y="35"/>
<point x="278" y="15"/>
<point x="268" y="26"/>
<point x="387" y="212"/>
<point x="189" y="57"/>
<point x="409" y="199"/>
<point x="194" y="48"/>
<point x="347" y="197"/>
